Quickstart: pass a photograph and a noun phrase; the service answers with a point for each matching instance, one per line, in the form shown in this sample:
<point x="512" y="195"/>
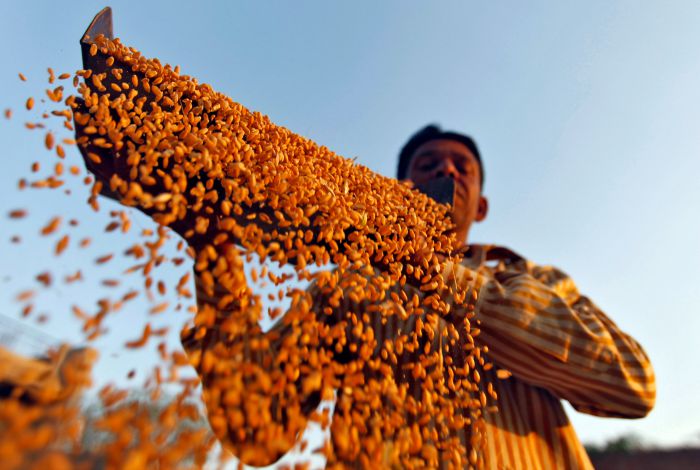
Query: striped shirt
<point x="558" y="345"/>
<point x="554" y="343"/>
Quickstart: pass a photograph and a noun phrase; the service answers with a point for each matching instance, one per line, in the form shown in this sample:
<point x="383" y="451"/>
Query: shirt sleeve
<point x="537" y="326"/>
<point x="242" y="371"/>
<point x="260" y="392"/>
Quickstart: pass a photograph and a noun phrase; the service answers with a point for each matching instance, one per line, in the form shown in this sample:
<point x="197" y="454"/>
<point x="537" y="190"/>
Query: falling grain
<point x="17" y="214"/>
<point x="62" y="244"/>
<point x="236" y="187"/>
<point x="104" y="259"/>
<point x="52" y="226"/>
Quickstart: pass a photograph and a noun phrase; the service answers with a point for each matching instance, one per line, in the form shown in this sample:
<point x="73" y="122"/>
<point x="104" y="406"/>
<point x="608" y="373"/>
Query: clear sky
<point x="587" y="116"/>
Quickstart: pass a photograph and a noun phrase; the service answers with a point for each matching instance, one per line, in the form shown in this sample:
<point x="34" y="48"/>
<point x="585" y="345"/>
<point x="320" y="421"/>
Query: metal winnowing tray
<point x="441" y="190"/>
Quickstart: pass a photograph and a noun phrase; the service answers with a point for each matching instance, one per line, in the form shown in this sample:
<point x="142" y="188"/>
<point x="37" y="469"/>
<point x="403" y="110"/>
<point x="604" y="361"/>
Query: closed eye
<point x="426" y="165"/>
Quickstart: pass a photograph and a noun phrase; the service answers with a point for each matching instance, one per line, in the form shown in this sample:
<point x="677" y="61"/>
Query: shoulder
<point x="496" y="258"/>
<point x="501" y="261"/>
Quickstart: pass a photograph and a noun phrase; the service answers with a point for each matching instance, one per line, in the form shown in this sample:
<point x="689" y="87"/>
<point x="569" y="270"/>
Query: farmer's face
<point x="441" y="158"/>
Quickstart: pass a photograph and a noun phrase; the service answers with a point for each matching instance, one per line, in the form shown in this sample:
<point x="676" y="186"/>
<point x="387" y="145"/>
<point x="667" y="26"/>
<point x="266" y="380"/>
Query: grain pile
<point x="382" y="326"/>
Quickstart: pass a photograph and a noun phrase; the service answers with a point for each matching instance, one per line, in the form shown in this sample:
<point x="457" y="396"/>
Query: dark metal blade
<point x="440" y="189"/>
<point x="101" y="24"/>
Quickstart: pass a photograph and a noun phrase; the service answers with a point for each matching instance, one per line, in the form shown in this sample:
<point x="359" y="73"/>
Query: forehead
<point x="444" y="148"/>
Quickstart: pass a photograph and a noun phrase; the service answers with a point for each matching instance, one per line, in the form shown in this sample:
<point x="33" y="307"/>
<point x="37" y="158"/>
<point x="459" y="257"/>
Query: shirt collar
<point x="476" y="256"/>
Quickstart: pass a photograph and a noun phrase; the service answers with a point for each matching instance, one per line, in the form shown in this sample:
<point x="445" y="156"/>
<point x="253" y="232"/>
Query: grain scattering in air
<point x="373" y="329"/>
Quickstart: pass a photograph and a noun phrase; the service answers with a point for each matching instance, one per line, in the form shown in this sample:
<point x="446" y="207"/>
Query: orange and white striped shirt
<point x="559" y="346"/>
<point x="556" y="343"/>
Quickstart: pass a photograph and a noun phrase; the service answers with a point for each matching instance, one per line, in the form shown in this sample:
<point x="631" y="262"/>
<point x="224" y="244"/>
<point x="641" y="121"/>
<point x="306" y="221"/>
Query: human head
<point x="433" y="153"/>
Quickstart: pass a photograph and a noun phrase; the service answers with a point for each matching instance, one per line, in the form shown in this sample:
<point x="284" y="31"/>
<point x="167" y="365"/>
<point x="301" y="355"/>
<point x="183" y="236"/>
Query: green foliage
<point x="626" y="443"/>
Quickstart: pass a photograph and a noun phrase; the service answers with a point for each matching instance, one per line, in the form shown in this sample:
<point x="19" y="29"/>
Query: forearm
<point x="566" y="346"/>
<point x="611" y="385"/>
<point x="260" y="388"/>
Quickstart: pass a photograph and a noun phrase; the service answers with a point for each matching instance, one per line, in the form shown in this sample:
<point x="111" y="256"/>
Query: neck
<point x="462" y="237"/>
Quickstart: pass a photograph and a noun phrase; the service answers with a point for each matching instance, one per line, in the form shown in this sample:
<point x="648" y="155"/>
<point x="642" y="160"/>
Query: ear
<point x="482" y="209"/>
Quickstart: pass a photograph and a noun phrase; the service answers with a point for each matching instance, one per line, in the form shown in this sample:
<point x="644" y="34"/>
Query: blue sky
<point x="587" y="117"/>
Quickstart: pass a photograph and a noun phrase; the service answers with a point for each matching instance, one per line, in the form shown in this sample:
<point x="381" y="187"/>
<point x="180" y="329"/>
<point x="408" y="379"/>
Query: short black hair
<point x="433" y="132"/>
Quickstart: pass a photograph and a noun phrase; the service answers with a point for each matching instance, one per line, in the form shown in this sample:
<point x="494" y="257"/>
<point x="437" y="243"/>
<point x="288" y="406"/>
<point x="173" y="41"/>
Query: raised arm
<point x="538" y="326"/>
<point x="261" y="388"/>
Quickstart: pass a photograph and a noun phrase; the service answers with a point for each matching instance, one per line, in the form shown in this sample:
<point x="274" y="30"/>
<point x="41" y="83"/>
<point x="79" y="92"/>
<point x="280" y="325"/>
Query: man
<point x="553" y="342"/>
<point x="556" y="342"/>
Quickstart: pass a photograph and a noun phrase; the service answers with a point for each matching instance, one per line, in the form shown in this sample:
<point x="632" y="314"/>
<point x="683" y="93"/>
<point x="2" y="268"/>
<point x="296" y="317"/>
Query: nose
<point x="446" y="168"/>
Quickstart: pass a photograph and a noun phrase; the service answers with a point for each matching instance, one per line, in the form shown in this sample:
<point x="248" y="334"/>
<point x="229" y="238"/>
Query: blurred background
<point x="587" y="117"/>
